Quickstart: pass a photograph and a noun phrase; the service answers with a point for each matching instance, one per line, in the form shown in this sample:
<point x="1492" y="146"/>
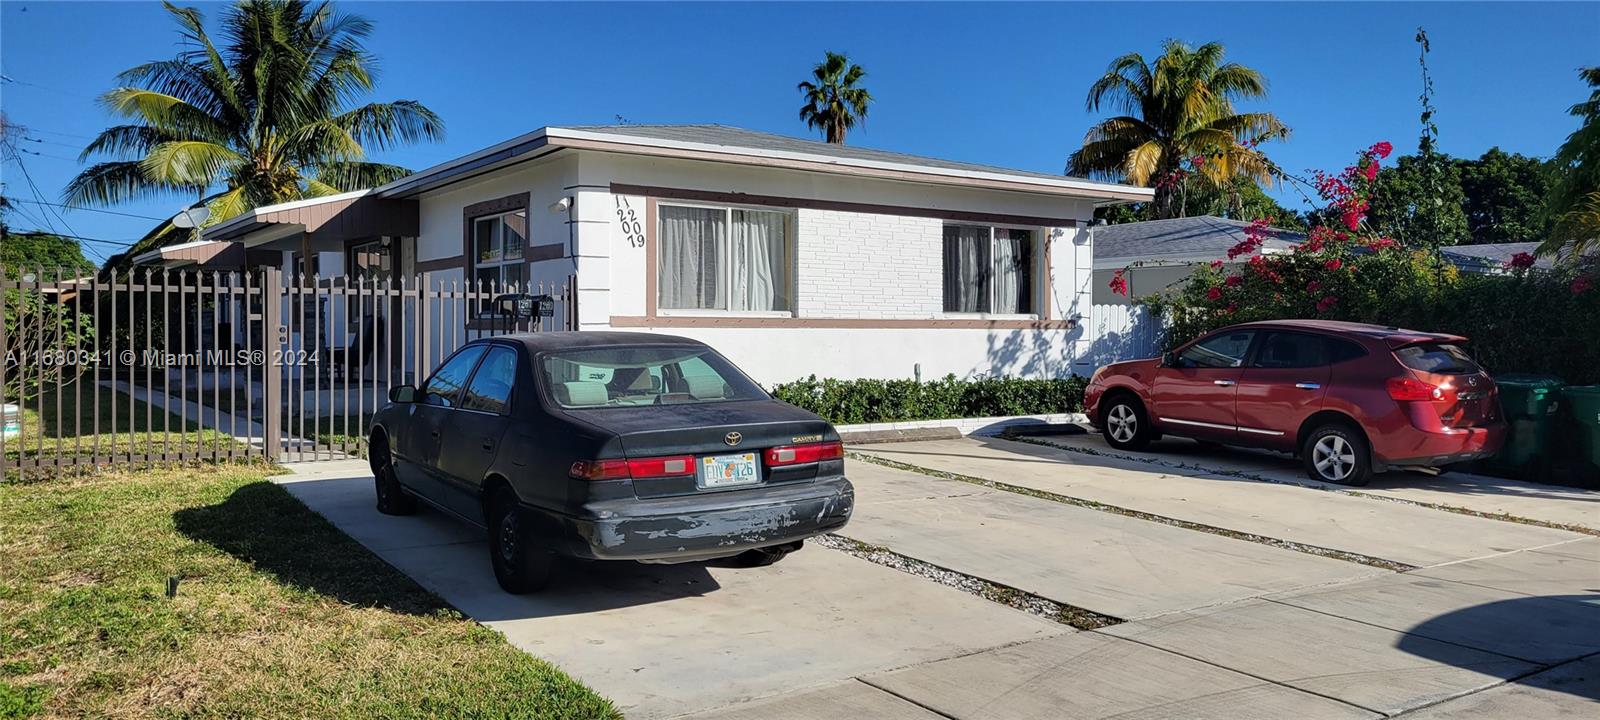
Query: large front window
<point x="988" y="270"/>
<point x="497" y="242"/>
<point x="723" y="259"/>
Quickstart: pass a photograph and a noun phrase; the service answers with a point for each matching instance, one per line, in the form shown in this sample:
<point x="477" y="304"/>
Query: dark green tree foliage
<point x="1504" y="197"/>
<point x="29" y="251"/>
<point x="1418" y="202"/>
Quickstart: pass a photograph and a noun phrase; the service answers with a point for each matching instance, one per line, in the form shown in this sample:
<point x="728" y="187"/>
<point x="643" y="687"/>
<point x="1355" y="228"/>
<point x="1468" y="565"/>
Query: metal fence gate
<point x="160" y="366"/>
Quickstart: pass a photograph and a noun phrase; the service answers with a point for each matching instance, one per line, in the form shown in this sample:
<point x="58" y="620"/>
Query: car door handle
<point x="434" y="433"/>
<point x="488" y="444"/>
<point x="1224" y="383"/>
<point x="1308" y="386"/>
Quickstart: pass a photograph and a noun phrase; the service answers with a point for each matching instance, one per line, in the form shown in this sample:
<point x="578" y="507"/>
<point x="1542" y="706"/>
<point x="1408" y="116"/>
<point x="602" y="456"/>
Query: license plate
<point x="727" y="470"/>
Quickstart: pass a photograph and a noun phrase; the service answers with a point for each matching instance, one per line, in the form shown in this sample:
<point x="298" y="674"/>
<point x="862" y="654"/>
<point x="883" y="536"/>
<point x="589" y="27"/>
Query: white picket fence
<point x="1123" y="332"/>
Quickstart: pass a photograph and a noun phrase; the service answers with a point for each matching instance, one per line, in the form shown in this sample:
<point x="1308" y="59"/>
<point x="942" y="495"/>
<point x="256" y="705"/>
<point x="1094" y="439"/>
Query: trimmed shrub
<point x="850" y="402"/>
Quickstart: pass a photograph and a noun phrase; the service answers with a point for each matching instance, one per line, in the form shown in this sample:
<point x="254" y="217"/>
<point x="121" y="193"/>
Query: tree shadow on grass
<point x="263" y="525"/>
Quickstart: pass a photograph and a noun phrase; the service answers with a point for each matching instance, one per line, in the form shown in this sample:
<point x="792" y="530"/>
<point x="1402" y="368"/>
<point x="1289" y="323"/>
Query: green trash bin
<point x="1530" y="403"/>
<point x="1583" y="402"/>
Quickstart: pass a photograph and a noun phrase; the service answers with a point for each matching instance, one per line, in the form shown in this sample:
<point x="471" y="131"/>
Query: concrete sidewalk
<point x="1288" y="512"/>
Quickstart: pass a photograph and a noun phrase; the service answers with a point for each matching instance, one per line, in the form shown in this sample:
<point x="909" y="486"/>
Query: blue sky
<point x="995" y="83"/>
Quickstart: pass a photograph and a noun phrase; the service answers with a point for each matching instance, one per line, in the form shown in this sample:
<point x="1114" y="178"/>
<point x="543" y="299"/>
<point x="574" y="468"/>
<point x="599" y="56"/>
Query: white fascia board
<point x="1086" y="186"/>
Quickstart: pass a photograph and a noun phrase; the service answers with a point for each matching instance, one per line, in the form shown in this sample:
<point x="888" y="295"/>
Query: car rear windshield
<point x="1446" y="358"/>
<point x="633" y="375"/>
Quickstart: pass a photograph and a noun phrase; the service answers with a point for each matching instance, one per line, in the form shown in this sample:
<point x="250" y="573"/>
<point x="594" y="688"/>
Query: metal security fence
<point x="172" y="365"/>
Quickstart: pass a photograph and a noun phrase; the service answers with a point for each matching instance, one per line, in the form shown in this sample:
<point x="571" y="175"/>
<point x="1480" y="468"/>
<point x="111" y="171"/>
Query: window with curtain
<point x="723" y="259"/>
<point x="988" y="270"/>
<point x="498" y="242"/>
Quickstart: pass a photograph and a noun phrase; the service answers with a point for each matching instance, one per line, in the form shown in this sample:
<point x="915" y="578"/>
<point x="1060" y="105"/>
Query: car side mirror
<point x="1169" y="359"/>
<point x="403" y="394"/>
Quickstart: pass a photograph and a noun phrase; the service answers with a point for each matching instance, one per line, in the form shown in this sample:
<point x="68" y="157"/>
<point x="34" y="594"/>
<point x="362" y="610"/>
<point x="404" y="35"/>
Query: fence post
<point x="423" y="329"/>
<point x="272" y="361"/>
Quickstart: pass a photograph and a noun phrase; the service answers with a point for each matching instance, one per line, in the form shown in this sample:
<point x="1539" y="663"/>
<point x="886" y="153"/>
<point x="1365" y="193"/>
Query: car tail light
<point x="808" y="453"/>
<point x="653" y="467"/>
<point x="1412" y="389"/>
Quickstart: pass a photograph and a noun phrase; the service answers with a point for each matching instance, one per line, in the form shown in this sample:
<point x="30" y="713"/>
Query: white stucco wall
<point x="849" y="266"/>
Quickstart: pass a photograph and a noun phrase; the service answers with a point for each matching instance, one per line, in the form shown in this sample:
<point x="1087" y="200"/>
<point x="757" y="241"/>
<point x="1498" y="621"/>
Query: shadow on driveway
<point x="263" y="525"/>
<point x="1552" y="632"/>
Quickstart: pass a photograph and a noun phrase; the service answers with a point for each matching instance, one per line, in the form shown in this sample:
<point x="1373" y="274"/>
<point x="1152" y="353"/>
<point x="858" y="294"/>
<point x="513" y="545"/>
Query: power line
<point x="87" y="209"/>
<point x="32" y="129"/>
<point x="47" y="155"/>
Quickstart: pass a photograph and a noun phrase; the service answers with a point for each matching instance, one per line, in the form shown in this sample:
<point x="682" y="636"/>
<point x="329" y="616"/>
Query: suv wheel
<point x="521" y="565"/>
<point x="392" y="500"/>
<point x="1337" y="454"/>
<point x="1125" y="424"/>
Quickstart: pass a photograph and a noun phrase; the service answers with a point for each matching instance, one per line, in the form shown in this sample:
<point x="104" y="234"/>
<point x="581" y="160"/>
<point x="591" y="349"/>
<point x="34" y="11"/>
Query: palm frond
<point x="109" y="183"/>
<point x="347" y="176"/>
<point x="389" y="125"/>
<point x="189" y="162"/>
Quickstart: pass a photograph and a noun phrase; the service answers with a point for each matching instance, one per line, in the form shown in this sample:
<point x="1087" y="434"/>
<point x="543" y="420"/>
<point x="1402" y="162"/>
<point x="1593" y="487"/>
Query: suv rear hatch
<point x="704" y="430"/>
<point x="1445" y="376"/>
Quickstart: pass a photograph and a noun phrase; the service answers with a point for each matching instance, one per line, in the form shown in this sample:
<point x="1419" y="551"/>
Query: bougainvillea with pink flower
<point x="1344" y="270"/>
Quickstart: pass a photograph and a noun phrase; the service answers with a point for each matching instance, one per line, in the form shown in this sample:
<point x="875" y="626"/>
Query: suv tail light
<point x="651" y="467"/>
<point x="808" y="453"/>
<point x="1411" y="389"/>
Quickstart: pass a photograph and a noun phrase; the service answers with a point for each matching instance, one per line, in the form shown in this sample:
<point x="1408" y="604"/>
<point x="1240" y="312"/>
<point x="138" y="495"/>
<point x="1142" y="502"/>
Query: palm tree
<point x="263" y="119"/>
<point x="835" y="102"/>
<point x="1575" y="199"/>
<point x="1180" y="108"/>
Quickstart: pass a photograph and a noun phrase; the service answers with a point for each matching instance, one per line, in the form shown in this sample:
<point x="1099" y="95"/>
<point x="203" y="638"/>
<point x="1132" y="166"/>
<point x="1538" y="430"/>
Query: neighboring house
<point x="1159" y="254"/>
<point x="792" y="257"/>
<point x="1492" y="258"/>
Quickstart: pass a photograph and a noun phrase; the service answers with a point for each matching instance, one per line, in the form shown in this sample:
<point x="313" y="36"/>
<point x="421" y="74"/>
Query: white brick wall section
<point x="859" y="265"/>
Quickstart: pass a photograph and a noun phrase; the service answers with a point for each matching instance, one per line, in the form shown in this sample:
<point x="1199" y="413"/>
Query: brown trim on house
<point x="538" y="253"/>
<point x="842" y="323"/>
<point x="450" y="263"/>
<point x="649" y="255"/>
<point x="1047" y="290"/>
<point x="712" y="196"/>
<point x="841" y="169"/>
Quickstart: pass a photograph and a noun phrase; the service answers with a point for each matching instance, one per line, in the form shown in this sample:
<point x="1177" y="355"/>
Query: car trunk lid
<point x="713" y="430"/>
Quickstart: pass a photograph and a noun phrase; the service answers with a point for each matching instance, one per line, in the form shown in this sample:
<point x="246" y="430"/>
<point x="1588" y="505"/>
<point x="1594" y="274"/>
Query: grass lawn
<point x="277" y="614"/>
<point x="123" y="424"/>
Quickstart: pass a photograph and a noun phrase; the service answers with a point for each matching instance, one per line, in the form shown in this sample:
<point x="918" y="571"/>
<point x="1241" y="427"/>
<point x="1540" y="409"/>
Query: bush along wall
<point x="851" y="402"/>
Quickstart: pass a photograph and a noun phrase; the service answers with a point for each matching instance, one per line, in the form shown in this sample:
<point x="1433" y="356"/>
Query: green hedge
<point x="850" y="402"/>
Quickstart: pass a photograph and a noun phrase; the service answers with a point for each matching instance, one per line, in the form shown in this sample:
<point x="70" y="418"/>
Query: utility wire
<point x="87" y="209"/>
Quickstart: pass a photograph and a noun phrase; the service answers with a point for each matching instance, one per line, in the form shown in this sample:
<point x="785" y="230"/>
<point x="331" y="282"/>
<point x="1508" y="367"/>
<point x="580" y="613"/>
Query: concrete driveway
<point x="1229" y="597"/>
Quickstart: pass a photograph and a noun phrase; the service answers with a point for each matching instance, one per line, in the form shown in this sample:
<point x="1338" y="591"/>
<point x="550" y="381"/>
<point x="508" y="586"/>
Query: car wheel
<point x="521" y="565"/>
<point x="1338" y="454"/>
<point x="762" y="557"/>
<point x="392" y="500"/>
<point x="1125" y="424"/>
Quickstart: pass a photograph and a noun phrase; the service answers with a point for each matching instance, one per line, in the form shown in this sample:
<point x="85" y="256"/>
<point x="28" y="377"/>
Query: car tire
<point x="1337" y="453"/>
<point x="392" y="499"/>
<point x="1125" y="424"/>
<point x="521" y="565"/>
<point x="762" y="557"/>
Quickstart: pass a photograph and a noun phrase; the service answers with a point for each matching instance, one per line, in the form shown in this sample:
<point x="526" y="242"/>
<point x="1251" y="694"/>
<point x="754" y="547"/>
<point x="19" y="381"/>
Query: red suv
<point x="1350" y="399"/>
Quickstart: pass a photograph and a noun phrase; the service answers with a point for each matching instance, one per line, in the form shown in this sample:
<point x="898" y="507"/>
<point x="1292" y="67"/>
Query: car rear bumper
<point x="1413" y="447"/>
<point x="700" y="527"/>
<point x="1091" y="403"/>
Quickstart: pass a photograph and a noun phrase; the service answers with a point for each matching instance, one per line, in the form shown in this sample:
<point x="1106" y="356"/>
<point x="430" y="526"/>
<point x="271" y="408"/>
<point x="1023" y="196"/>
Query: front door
<point x="1283" y="385"/>
<point x="1195" y="395"/>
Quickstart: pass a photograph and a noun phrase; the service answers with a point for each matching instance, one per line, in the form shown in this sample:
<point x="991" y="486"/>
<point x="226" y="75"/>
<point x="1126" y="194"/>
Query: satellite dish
<point x="191" y="217"/>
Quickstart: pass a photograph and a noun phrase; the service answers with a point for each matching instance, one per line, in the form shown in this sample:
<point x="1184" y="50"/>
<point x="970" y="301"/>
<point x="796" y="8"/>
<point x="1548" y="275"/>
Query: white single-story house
<point x="1160" y="254"/>
<point x="792" y="257"/>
